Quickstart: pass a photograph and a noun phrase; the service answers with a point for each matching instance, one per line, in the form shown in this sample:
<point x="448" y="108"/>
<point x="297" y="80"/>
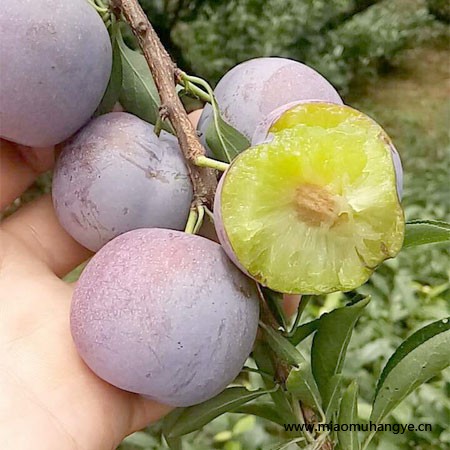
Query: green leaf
<point x="348" y="414"/>
<point x="223" y="436"/>
<point x="190" y="102"/>
<point x="234" y="141"/>
<point x="286" y="444"/>
<point x="139" y="95"/>
<point x="265" y="410"/>
<point x="274" y="301"/>
<point x="114" y="87"/>
<point x="333" y="394"/>
<point x="420" y="232"/>
<point x="232" y="445"/>
<point x="262" y="356"/>
<point x="422" y="356"/>
<point x="281" y="346"/>
<point x="243" y="425"/>
<point x="330" y="344"/>
<point x="140" y="439"/>
<point x="301" y="383"/>
<point x="170" y="420"/>
<point x="303" y="331"/>
<point x="174" y="443"/>
<point x="195" y="417"/>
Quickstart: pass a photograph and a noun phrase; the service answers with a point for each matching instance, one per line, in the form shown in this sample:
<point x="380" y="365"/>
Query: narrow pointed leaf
<point x="264" y="410"/>
<point x="114" y="88"/>
<point x="301" y="383"/>
<point x="190" y="102"/>
<point x="140" y="439"/>
<point x="175" y="443"/>
<point x="303" y="331"/>
<point x="274" y="301"/>
<point x="348" y="415"/>
<point x="333" y="396"/>
<point x="234" y="142"/>
<point x="139" y="95"/>
<point x="420" y="232"/>
<point x="330" y="344"/>
<point x="195" y="417"/>
<point x="170" y="420"/>
<point x="281" y="346"/>
<point x="422" y="356"/>
<point x="262" y="356"/>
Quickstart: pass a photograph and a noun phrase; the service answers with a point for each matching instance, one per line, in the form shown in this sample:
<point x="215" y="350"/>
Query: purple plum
<point x="164" y="314"/>
<point x="117" y="175"/>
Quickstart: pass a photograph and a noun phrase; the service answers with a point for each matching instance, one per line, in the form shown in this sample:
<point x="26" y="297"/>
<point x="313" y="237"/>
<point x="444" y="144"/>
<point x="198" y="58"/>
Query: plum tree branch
<point x="165" y="72"/>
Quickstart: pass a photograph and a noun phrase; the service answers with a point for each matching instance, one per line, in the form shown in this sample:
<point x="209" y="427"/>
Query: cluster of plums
<point x="156" y="311"/>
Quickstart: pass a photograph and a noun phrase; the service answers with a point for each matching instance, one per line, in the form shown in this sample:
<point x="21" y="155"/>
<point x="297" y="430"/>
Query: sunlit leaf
<point x="422" y="356"/>
<point x="243" y="425"/>
<point x="420" y="232"/>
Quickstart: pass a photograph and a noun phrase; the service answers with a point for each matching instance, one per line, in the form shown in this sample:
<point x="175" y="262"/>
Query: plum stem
<point x="104" y="12"/>
<point x="194" y="89"/>
<point x="203" y="161"/>
<point x="209" y="213"/>
<point x="99" y="8"/>
<point x="192" y="220"/>
<point x="158" y="126"/>
<point x="215" y="107"/>
<point x="166" y="76"/>
<point x="261" y="373"/>
<point x="200" y="217"/>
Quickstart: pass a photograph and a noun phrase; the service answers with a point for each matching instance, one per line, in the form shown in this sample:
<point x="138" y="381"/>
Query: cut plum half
<point x="315" y="210"/>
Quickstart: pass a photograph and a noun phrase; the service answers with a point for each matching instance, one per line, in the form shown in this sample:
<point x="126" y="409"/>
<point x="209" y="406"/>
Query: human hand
<point x="49" y="399"/>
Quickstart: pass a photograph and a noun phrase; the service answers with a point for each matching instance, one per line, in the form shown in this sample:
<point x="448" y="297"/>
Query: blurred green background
<point x="390" y="59"/>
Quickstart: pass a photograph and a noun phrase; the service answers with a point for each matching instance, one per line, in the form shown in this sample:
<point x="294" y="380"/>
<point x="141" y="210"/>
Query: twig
<point x="164" y="73"/>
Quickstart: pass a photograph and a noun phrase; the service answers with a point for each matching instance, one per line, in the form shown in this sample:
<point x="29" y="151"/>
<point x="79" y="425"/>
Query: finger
<point x="19" y="167"/>
<point x="37" y="226"/>
<point x="194" y="116"/>
<point x="290" y="303"/>
<point x="145" y="412"/>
